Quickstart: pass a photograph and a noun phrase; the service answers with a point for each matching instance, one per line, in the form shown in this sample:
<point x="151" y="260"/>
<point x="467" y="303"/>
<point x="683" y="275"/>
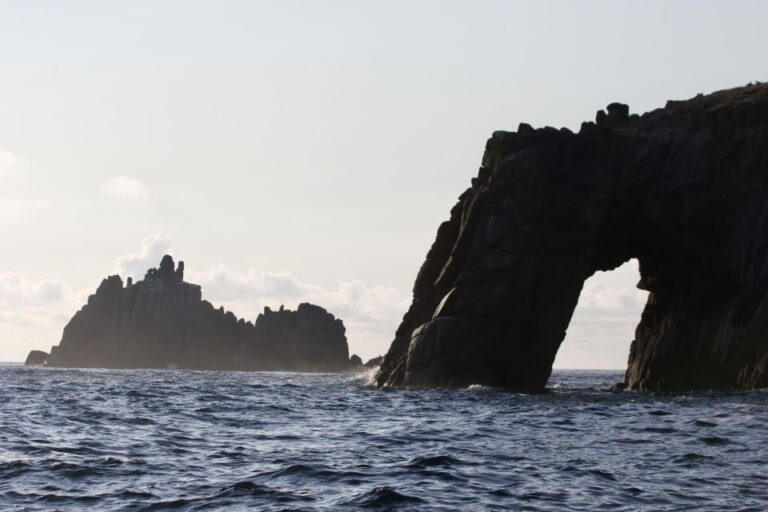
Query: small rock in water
<point x="36" y="358"/>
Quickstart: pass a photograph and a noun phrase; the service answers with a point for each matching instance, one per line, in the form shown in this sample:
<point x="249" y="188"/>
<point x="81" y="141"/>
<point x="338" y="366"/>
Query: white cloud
<point x="16" y="204"/>
<point x="371" y="313"/>
<point x="600" y="297"/>
<point x="11" y="177"/>
<point x="13" y="208"/>
<point x="604" y="322"/>
<point x="152" y="250"/>
<point x="37" y="310"/>
<point x="227" y="284"/>
<point x="125" y="187"/>
<point x="17" y="289"/>
<point x="8" y="162"/>
<point x="33" y="313"/>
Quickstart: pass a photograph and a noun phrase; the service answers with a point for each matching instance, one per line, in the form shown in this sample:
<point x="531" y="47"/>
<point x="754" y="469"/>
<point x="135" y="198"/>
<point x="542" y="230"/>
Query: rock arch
<point x="603" y="324"/>
<point x="683" y="189"/>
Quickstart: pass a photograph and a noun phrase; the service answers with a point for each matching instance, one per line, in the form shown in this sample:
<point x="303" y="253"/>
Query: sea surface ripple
<point x="128" y="440"/>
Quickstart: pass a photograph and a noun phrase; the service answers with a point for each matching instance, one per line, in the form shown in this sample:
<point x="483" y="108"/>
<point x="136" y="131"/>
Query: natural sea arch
<point x="684" y="189"/>
<point x="603" y="324"/>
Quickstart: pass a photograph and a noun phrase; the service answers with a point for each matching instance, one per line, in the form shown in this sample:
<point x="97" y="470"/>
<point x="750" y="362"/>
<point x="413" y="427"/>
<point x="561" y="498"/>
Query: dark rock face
<point x="683" y="189"/>
<point x="36" y="358"/>
<point x="373" y="363"/>
<point x="355" y="361"/>
<point x="162" y="321"/>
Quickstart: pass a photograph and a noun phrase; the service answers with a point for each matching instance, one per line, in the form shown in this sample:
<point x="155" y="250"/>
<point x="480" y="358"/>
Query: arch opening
<point x="603" y="324"/>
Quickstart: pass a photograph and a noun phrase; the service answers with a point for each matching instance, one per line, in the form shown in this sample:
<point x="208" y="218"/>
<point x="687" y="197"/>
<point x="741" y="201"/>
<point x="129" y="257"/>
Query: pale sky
<point x="292" y="151"/>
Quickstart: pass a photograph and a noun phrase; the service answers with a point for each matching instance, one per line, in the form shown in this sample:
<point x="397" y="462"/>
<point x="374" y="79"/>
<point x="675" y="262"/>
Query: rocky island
<point x="684" y="189"/>
<point x="162" y="321"/>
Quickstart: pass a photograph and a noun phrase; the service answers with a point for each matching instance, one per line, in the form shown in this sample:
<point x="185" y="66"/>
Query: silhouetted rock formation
<point x="683" y="189"/>
<point x="36" y="358"/>
<point x="373" y="363"/>
<point x="162" y="321"/>
<point x="355" y="362"/>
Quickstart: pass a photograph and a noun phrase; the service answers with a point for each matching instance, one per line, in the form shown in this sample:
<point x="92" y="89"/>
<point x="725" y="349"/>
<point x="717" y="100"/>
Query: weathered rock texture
<point x="162" y="321"/>
<point x="683" y="189"/>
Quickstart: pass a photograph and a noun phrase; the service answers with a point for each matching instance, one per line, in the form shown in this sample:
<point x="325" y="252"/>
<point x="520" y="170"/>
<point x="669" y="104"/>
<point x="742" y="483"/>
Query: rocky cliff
<point x="683" y="189"/>
<point x="162" y="321"/>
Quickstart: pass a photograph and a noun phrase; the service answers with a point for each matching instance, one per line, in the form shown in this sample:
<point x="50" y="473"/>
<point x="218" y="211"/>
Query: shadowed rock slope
<point x="162" y="321"/>
<point x="683" y="189"/>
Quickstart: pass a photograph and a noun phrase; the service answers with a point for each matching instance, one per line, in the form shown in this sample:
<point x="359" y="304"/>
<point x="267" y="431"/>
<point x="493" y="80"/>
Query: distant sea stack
<point x="683" y="189"/>
<point x="374" y="362"/>
<point x="36" y="358"/>
<point x="162" y="322"/>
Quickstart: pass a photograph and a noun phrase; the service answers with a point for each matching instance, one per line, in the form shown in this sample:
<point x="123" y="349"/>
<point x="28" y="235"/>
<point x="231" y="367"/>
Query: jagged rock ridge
<point x="162" y="321"/>
<point x="683" y="189"/>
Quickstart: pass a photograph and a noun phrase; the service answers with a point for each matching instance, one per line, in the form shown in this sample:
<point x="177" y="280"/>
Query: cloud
<point x="125" y="187"/>
<point x="355" y="298"/>
<point x="37" y="303"/>
<point x="603" y="324"/>
<point x="17" y="288"/>
<point x="8" y="162"/>
<point x="371" y="313"/>
<point x="11" y="177"/>
<point x="13" y="208"/>
<point x="152" y="250"/>
<point x="598" y="297"/>
<point x="227" y="284"/>
<point x="33" y="313"/>
<point x="16" y="203"/>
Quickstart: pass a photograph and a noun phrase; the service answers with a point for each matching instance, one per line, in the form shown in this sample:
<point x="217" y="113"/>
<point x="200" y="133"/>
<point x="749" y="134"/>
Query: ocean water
<point x="179" y="440"/>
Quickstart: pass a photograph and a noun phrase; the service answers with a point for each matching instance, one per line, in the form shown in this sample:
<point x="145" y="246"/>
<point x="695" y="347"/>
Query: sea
<point x="133" y="440"/>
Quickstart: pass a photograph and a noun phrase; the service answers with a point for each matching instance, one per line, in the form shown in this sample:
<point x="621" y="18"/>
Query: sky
<point x="301" y="150"/>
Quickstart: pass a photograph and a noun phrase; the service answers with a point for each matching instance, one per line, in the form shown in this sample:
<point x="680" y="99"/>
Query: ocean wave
<point x="155" y="440"/>
<point x="384" y="498"/>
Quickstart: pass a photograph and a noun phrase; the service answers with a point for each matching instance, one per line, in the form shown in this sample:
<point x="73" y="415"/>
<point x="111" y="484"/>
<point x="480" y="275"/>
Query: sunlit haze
<point x="299" y="151"/>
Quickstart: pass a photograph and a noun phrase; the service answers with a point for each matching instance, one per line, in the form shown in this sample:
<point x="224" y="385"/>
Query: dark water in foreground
<point x="173" y="440"/>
